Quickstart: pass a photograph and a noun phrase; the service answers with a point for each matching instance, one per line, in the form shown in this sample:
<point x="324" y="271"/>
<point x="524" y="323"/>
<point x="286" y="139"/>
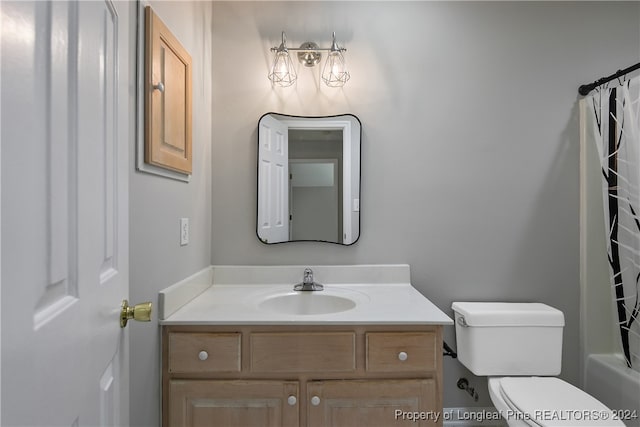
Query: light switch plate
<point x="356" y="205"/>
<point x="184" y="231"/>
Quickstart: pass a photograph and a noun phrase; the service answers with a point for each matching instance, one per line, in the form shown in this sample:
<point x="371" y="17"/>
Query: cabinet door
<point x="369" y="403"/>
<point x="230" y="403"/>
<point x="168" y="98"/>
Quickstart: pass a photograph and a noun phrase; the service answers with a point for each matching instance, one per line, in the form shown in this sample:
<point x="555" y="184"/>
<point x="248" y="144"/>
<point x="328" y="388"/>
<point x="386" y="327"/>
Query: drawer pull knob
<point x="159" y="86"/>
<point x="402" y="356"/>
<point x="315" y="400"/>
<point x="292" y="400"/>
<point x="203" y="355"/>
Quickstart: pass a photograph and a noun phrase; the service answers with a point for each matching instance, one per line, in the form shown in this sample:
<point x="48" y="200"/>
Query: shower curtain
<point x="613" y="124"/>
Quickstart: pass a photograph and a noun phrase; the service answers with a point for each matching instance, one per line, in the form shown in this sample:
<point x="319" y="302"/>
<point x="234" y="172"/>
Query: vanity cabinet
<point x="367" y="402"/>
<point x="316" y="376"/>
<point x="259" y="403"/>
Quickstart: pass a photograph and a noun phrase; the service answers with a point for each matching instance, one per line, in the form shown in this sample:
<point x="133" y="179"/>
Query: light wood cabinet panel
<point x="303" y="352"/>
<point x="167" y="98"/>
<point x="269" y="375"/>
<point x="196" y="352"/>
<point x="401" y="351"/>
<point x="233" y="403"/>
<point x="369" y="403"/>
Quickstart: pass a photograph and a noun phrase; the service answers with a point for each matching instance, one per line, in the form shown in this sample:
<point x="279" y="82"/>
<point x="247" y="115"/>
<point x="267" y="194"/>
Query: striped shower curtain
<point x="613" y="124"/>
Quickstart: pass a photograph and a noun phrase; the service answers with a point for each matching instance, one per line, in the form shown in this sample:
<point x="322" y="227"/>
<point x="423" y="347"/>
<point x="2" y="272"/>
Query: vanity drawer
<point x="401" y="351"/>
<point x="191" y="352"/>
<point x="303" y="352"/>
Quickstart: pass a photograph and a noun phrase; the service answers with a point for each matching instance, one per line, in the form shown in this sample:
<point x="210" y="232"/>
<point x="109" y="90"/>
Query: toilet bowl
<point x="519" y="347"/>
<point x="547" y="401"/>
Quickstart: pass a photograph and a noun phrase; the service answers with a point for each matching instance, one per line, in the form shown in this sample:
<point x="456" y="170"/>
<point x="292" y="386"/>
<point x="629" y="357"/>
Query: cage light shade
<point x="335" y="73"/>
<point x="283" y="72"/>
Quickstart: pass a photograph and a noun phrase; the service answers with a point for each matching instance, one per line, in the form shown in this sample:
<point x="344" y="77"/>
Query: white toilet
<point x="519" y="346"/>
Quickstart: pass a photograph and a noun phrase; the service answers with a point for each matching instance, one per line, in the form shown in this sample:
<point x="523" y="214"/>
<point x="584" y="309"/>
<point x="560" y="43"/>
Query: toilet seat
<point x="546" y="402"/>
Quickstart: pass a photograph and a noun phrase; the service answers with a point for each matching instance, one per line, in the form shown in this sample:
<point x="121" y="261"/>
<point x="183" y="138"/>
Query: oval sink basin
<point x="307" y="303"/>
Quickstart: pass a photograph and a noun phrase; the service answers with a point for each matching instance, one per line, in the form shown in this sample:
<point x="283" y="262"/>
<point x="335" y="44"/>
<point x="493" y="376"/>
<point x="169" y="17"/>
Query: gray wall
<point x="470" y="140"/>
<point x="156" y="258"/>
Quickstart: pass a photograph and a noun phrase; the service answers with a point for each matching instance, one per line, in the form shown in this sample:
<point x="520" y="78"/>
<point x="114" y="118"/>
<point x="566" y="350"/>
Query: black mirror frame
<point x="359" y="178"/>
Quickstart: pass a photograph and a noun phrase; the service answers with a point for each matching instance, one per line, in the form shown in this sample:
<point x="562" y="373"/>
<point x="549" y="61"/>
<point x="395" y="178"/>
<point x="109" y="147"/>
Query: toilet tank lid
<point x="508" y="314"/>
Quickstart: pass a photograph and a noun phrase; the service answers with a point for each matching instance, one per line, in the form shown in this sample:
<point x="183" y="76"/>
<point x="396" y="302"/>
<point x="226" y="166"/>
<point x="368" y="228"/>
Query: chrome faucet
<point x="307" y="282"/>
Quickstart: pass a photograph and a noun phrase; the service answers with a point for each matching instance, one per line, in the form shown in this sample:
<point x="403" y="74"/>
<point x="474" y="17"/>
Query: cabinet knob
<point x="203" y="355"/>
<point x="159" y="86"/>
<point x="292" y="400"/>
<point x="402" y="356"/>
<point x="315" y="400"/>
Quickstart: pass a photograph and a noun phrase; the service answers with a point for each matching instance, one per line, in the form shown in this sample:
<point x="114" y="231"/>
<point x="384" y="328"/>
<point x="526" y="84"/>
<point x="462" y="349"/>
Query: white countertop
<point x="379" y="304"/>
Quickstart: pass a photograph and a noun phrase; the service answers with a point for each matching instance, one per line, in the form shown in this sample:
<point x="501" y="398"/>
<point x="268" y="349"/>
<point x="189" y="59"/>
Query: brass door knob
<point x="139" y="312"/>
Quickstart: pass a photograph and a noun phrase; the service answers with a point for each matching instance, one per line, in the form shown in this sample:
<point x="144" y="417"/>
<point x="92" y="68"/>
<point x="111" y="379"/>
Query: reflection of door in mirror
<point x="308" y="179"/>
<point x="273" y="172"/>
<point x="315" y="174"/>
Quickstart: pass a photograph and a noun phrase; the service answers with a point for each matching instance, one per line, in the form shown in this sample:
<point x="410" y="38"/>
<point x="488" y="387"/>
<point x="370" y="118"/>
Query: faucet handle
<point x="307" y="282"/>
<point x="308" y="276"/>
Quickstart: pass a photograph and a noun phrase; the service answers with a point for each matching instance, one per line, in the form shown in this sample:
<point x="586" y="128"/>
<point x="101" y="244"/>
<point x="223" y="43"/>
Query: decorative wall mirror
<point x="308" y="179"/>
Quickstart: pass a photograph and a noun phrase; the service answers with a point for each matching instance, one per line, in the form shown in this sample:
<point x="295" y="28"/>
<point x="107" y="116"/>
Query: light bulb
<point x="283" y="72"/>
<point x="335" y="73"/>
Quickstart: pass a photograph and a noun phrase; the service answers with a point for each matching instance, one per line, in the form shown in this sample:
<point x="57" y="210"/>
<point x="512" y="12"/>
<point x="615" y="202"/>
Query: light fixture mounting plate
<point x="309" y="54"/>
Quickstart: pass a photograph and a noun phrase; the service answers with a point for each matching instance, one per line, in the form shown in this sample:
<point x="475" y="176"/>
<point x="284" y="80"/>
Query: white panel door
<point x="273" y="170"/>
<point x="65" y="120"/>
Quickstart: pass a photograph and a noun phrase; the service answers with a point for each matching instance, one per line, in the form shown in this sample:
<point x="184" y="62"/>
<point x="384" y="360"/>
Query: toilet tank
<point x="497" y="338"/>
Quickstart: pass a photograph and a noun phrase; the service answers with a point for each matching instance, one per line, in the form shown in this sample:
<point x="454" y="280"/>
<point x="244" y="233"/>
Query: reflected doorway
<point x="315" y="184"/>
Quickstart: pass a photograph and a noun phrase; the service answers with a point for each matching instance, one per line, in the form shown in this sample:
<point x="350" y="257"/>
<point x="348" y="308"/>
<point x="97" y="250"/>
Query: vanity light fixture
<point x="283" y="72"/>
<point x="334" y="73"/>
